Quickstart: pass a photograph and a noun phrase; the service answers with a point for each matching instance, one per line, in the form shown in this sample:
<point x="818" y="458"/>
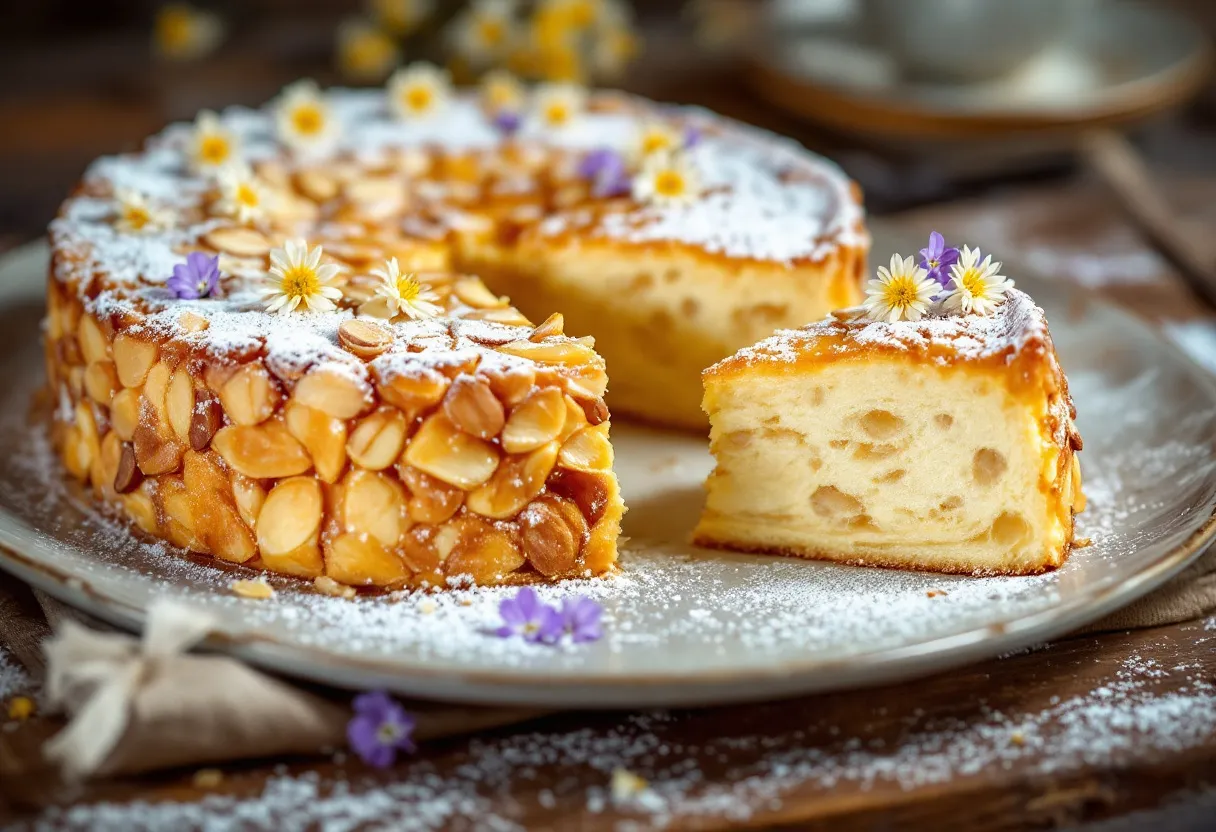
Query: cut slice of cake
<point x="945" y="444"/>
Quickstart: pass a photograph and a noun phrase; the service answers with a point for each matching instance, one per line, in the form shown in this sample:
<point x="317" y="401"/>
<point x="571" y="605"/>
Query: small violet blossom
<point x="936" y="259"/>
<point x="507" y="122"/>
<point x="692" y="136"/>
<point x="526" y="615"/>
<point x="379" y="729"/>
<point x="581" y="619"/>
<point x="605" y="169"/>
<point x="196" y="278"/>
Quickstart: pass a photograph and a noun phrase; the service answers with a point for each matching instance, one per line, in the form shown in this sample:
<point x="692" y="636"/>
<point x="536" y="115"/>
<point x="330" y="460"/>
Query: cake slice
<point x="943" y="444"/>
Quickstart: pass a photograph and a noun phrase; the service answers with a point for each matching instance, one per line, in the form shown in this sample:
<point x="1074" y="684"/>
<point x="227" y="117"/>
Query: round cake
<point x="267" y="347"/>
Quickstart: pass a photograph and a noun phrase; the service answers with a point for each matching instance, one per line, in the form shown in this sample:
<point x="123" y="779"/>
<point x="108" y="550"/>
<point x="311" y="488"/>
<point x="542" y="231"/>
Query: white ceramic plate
<point x="683" y="626"/>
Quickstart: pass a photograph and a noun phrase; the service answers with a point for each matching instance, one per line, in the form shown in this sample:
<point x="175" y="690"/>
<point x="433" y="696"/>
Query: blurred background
<point x="924" y="102"/>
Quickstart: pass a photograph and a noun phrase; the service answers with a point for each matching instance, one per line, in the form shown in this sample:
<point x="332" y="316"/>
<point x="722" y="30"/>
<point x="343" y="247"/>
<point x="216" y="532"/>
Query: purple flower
<point x="692" y="136"/>
<point x="937" y="259"/>
<point x="526" y="615"/>
<point x="581" y="619"/>
<point x="605" y="169"/>
<point x="507" y="122"/>
<point x="379" y="729"/>
<point x="196" y="278"/>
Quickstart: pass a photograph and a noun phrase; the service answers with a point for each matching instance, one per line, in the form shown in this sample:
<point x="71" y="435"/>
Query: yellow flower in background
<point x="901" y="292"/>
<point x="401" y="17"/>
<point x="138" y="216"/>
<point x="614" y="49"/>
<point x="297" y="279"/>
<point x="484" y="32"/>
<point x="212" y="145"/>
<point x="667" y="178"/>
<point x="21" y="708"/>
<point x="365" y="52"/>
<point x="243" y="196"/>
<point x="554" y="15"/>
<point x="720" y="24"/>
<point x="975" y="285"/>
<point x="419" y="90"/>
<point x="561" y="64"/>
<point x="656" y="137"/>
<point x="558" y="105"/>
<point x="303" y="119"/>
<point x="501" y="91"/>
<point x="402" y="294"/>
<point x="183" y="33"/>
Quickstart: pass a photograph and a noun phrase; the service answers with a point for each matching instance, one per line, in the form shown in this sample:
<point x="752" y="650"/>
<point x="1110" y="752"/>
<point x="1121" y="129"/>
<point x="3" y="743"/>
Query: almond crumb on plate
<point x="258" y="590"/>
<point x="626" y="785"/>
<point x="328" y="586"/>
<point x="207" y="778"/>
<point x="21" y="708"/>
<point x="1082" y="542"/>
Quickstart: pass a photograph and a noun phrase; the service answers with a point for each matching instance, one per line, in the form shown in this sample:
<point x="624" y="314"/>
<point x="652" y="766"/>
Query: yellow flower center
<point x="247" y="195"/>
<point x="307" y="119"/>
<point x="973" y="282"/>
<point x="491" y="31"/>
<point x="900" y="293"/>
<point x="655" y="140"/>
<point x="419" y="97"/>
<point x="214" y="149"/>
<point x="669" y="183"/>
<point x="408" y="288"/>
<point x="136" y="217"/>
<point x="175" y="28"/>
<point x="581" y="13"/>
<point x="300" y="282"/>
<point x="368" y="53"/>
<point x="557" y="113"/>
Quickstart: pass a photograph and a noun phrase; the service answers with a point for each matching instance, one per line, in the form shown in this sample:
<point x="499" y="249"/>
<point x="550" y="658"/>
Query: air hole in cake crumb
<point x="690" y="307"/>
<point x="863" y="523"/>
<point x="641" y="283"/>
<point x="1010" y="529"/>
<point x="830" y="501"/>
<point x="867" y="450"/>
<point x="737" y="439"/>
<point x="892" y="476"/>
<point x="839" y="444"/>
<point x="950" y="503"/>
<point x="881" y="424"/>
<point x="671" y="275"/>
<point x="944" y="421"/>
<point x="988" y="466"/>
<point x="817" y="396"/>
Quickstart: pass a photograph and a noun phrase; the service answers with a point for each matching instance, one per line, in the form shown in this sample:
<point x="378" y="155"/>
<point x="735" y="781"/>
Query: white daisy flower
<point x="484" y="31"/>
<point x="403" y="294"/>
<point x="297" y="279"/>
<point x="212" y="145"/>
<point x="419" y="90"/>
<point x="242" y="195"/>
<point x="667" y="178"/>
<point x="656" y="137"/>
<point x="303" y="119"/>
<point x="138" y="216"/>
<point x="975" y="285"/>
<point x="401" y="17"/>
<point x="558" y="105"/>
<point x="901" y="292"/>
<point x="501" y="91"/>
<point x="365" y="52"/>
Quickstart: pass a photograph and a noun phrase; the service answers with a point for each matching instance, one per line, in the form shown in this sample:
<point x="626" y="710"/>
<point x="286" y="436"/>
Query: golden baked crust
<point x="945" y="445"/>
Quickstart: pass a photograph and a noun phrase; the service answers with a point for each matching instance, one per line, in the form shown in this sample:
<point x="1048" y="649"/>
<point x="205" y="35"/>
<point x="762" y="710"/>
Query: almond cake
<point x="267" y="348"/>
<point x="945" y="443"/>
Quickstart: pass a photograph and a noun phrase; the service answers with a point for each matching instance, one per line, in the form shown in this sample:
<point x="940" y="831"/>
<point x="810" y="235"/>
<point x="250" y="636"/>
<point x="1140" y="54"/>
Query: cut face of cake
<point x="943" y="444"/>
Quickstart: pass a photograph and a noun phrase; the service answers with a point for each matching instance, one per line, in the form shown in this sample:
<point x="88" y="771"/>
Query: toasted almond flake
<point x="207" y="778"/>
<point x="257" y="590"/>
<point x="328" y="586"/>
<point x="240" y="242"/>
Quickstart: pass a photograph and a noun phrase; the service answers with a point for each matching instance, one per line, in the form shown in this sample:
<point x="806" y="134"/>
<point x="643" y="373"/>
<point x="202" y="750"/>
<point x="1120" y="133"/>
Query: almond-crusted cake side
<point x="406" y="454"/>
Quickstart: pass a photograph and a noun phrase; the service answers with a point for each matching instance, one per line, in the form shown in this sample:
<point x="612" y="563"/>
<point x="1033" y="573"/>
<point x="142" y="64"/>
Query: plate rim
<point x="719" y="686"/>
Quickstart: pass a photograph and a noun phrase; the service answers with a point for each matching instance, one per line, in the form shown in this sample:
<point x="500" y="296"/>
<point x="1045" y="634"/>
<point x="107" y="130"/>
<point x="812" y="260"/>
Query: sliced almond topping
<point x="374" y="504"/>
<point x="205" y="419"/>
<point x="569" y="353"/>
<point x="483" y="552"/>
<point x="549" y="542"/>
<point x="472" y="407"/>
<point x="240" y="242"/>
<point x="595" y="410"/>
<point x="179" y="403"/>
<point x="334" y="391"/>
<point x="515" y="484"/>
<point x="248" y="396"/>
<point x="370" y="189"/>
<point x="133" y="359"/>
<point x="472" y="292"/>
<point x="291" y="516"/>
<point x="156" y="453"/>
<point x="317" y="185"/>
<point x="416" y="390"/>
<point x="328" y="586"/>
<point x="323" y="436"/>
<point x="507" y="315"/>
<point x="376" y="441"/>
<point x="190" y="322"/>
<point x="360" y="560"/>
<point x="124" y="413"/>
<point x="94" y="345"/>
<point x="156" y="387"/>
<point x="101" y="381"/>
<point x="249" y="496"/>
<point x="443" y="451"/>
<point x="513" y="385"/>
<point x="552" y="326"/>
<point x="586" y="382"/>
<point x="535" y="421"/>
<point x="265" y="451"/>
<point x="364" y="338"/>
<point x="257" y="590"/>
<point x="128" y="476"/>
<point x="587" y="450"/>
<point x="431" y="501"/>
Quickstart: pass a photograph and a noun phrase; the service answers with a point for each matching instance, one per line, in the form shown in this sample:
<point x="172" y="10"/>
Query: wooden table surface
<point x="1116" y="725"/>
